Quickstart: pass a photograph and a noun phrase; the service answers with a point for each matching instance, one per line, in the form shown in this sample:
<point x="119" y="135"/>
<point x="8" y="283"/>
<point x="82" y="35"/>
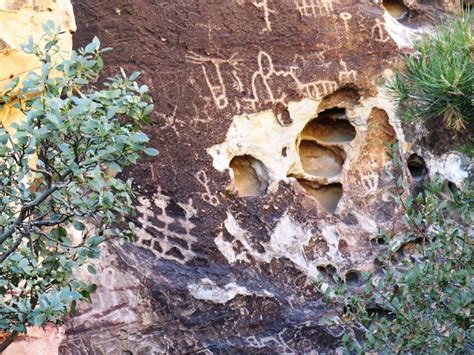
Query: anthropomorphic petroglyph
<point x="379" y="34"/>
<point x="207" y="196"/>
<point x="212" y="72"/>
<point x="345" y="16"/>
<point x="346" y="75"/>
<point x="263" y="4"/>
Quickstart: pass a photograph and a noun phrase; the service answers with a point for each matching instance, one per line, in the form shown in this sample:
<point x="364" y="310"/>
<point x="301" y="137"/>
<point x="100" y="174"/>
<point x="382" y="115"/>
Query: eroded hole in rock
<point x="282" y="115"/>
<point x="417" y="167"/>
<point x="396" y="8"/>
<point x="328" y="196"/>
<point x="352" y="277"/>
<point x="319" y="160"/>
<point x="327" y="271"/>
<point x="343" y="98"/>
<point x="330" y="127"/>
<point x="250" y="176"/>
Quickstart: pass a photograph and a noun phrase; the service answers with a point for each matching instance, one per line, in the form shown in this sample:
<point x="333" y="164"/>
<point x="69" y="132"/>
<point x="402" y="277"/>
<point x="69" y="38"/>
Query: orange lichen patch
<point x="379" y="133"/>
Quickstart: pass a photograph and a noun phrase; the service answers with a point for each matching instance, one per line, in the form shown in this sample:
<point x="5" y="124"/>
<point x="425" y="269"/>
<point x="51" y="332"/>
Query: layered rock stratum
<point x="272" y="123"/>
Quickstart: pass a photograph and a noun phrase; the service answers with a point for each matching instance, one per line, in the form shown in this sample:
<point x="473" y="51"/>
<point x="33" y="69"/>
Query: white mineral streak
<point x="402" y="35"/>
<point x="450" y="166"/>
<point x="287" y="241"/>
<point x="207" y="289"/>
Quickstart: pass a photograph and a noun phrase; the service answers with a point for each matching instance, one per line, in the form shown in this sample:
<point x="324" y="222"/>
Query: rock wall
<point x="272" y="122"/>
<point x="272" y="125"/>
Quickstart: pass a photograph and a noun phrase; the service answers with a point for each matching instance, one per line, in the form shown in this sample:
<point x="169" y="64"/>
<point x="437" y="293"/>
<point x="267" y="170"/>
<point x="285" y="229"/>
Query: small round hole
<point x="352" y="277"/>
<point x="417" y="167"/>
<point x="396" y="8"/>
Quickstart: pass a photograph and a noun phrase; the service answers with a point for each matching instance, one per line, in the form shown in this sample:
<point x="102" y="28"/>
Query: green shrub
<point x="421" y="300"/>
<point x="57" y="178"/>
<point x="438" y="80"/>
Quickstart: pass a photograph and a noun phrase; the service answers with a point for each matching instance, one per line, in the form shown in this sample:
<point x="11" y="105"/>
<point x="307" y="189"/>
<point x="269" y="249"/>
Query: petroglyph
<point x="314" y="8"/>
<point x="164" y="227"/>
<point x="211" y="68"/>
<point x="263" y="91"/>
<point x="207" y="196"/>
<point x="379" y="33"/>
<point x="346" y="75"/>
<point x="261" y="79"/>
<point x="345" y="16"/>
<point x="263" y="4"/>
<point x="319" y="89"/>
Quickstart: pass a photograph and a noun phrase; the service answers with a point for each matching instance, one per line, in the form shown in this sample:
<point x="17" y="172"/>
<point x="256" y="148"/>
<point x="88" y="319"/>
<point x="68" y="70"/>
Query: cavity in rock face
<point x="379" y="134"/>
<point x="321" y="161"/>
<point x="343" y="98"/>
<point x="328" y="196"/>
<point x="396" y="8"/>
<point x="417" y="167"/>
<point x="250" y="176"/>
<point x="330" y="127"/>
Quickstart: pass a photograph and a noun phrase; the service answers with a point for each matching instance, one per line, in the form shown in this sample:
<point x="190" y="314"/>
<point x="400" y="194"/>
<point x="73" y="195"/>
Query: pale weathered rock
<point x="38" y="342"/>
<point x="20" y="19"/>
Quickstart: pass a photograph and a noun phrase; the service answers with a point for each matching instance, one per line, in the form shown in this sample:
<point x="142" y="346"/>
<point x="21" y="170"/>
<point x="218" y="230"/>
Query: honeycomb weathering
<point x="396" y="8"/>
<point x="211" y="271"/>
<point x="250" y="175"/>
<point x="328" y="195"/>
<point x="320" y="161"/>
<point x="417" y="167"/>
<point x="330" y="127"/>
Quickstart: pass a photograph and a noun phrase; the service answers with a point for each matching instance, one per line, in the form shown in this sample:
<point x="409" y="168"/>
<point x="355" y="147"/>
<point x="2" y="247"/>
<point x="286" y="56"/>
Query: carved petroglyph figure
<point x="379" y="33"/>
<point x="263" y="4"/>
<point x="263" y="91"/>
<point x="346" y="75"/>
<point x="165" y="227"/>
<point x="207" y="196"/>
<point x="314" y="8"/>
<point x="345" y="16"/>
<point x="319" y="89"/>
<point x="211" y="68"/>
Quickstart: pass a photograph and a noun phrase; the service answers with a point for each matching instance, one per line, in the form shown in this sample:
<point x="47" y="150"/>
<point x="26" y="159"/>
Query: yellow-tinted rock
<point x="20" y="19"/>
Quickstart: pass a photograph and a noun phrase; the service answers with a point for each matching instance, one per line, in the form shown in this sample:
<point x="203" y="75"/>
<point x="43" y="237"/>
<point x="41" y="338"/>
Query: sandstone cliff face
<point x="272" y="128"/>
<point x="272" y="125"/>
